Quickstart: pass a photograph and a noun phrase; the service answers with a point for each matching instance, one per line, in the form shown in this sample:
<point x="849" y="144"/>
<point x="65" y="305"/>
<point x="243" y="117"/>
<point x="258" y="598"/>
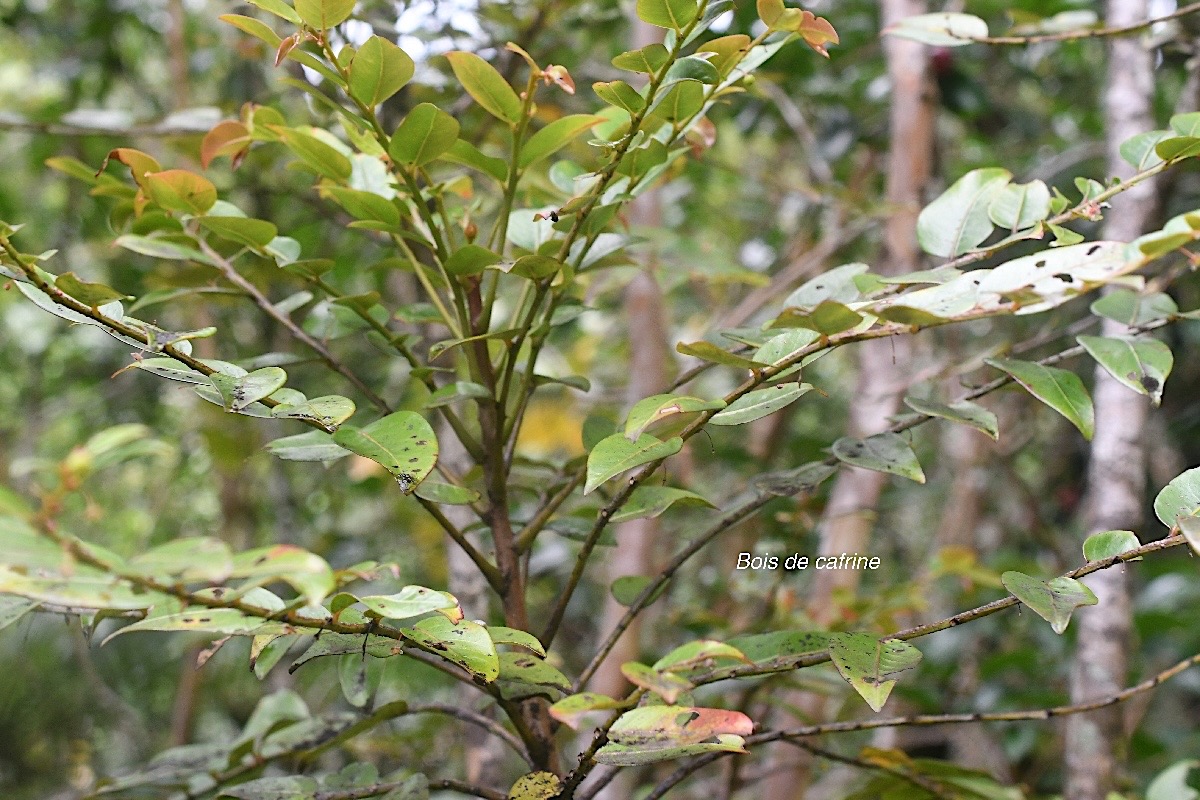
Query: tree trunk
<point x="1116" y="474"/>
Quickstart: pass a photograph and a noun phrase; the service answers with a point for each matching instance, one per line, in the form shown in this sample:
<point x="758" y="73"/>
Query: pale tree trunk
<point x="1095" y="742"/>
<point x="883" y="369"/>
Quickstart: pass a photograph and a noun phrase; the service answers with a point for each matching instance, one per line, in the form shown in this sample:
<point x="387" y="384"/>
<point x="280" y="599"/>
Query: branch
<point x="759" y="377"/>
<point x="1088" y="33"/>
<point x="233" y="276"/>
<point x="920" y="781"/>
<point x="683" y="772"/>
<point x="376" y="789"/>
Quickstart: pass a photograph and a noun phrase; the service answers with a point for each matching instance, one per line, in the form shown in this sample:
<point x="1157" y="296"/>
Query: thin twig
<point x="299" y="334"/>
<point x="1086" y="33"/>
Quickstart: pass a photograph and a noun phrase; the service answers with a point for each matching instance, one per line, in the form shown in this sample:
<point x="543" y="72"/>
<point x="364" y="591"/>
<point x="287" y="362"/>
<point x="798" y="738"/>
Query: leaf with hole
<point x="1054" y="600"/>
<point x="1142" y="364"/>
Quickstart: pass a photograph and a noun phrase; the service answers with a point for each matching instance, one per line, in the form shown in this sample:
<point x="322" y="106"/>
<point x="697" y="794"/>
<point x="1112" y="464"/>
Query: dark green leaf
<point x="870" y="664"/>
<point x="403" y="443"/>
<point x="615" y="454"/>
<point x="883" y="452"/>
<point x="1061" y="390"/>
<point x="426" y="133"/>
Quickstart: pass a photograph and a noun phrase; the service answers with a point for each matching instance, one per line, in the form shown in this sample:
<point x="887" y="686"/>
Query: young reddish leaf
<point x="227" y="138"/>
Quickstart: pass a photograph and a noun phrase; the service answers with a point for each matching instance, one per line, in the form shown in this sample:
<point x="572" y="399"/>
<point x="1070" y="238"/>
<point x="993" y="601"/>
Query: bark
<point x="883" y="372"/>
<point x="1116" y="474"/>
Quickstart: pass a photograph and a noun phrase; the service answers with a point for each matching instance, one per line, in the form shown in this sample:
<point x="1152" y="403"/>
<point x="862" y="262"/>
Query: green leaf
<point x="651" y="501"/>
<point x="447" y="494"/>
<point x="792" y="481"/>
<point x="615" y="454"/>
<point x="306" y="572"/>
<point x="665" y="684"/>
<point x="535" y="267"/>
<point x="1139" y="150"/>
<point x="708" y="351"/>
<point x="1061" y="390"/>
<point x="324" y="14"/>
<point x="180" y="190"/>
<point x="658" y="733"/>
<point x="243" y="230"/>
<point x="1106" y="544"/>
<point x="554" y="137"/>
<point x="466" y="644"/>
<point x="1054" y="600"/>
<point x="656" y="408"/>
<point x="835" y="284"/>
<point x="308" y="446"/>
<point x="379" y="70"/>
<point x="828" y="318"/>
<point x="426" y="133"/>
<point x="1186" y="124"/>
<point x="966" y="412"/>
<point x="471" y="259"/>
<point x="279" y="8"/>
<point x="503" y="635"/>
<point x="411" y="601"/>
<point x="883" y="452"/>
<point x="1018" y="206"/>
<point x="13" y="608"/>
<point x="293" y="787"/>
<point x="699" y="654"/>
<point x="571" y="710"/>
<point x="320" y="157"/>
<point x="648" y="60"/>
<point x="785" y="346"/>
<point x="329" y="410"/>
<point x="958" y="221"/>
<point x="682" y="101"/>
<point x="486" y="86"/>
<point x="239" y="392"/>
<point x="1131" y="308"/>
<point x="870" y="664"/>
<point x="673" y="14"/>
<point x="156" y="247"/>
<point x="940" y="30"/>
<point x="1142" y="364"/>
<point x="193" y="558"/>
<point x="402" y="442"/>
<point x="465" y="153"/>
<point x="525" y="675"/>
<point x="78" y="591"/>
<point x="760" y="403"/>
<point x="1179" y="498"/>
<point x="620" y="94"/>
<point x="760" y="647"/>
<point x="92" y="294"/>
<point x="219" y="621"/>
<point x="1172" y="782"/>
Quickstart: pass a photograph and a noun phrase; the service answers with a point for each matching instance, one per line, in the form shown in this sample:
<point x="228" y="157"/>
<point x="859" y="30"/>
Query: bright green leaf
<point x="324" y="14"/>
<point x="486" y="86"/>
<point x="1058" y="388"/>
<point x="1142" y="364"/>
<point x="426" y="133"/>
<point x="760" y="403"/>
<point x="958" y="220"/>
<point x="870" y="664"/>
<point x="615" y="454"/>
<point x="1054" y="600"/>
<point x="673" y="14"/>
<point x="403" y="443"/>
<point x="379" y="70"/>
<point x="1106" y="544"/>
